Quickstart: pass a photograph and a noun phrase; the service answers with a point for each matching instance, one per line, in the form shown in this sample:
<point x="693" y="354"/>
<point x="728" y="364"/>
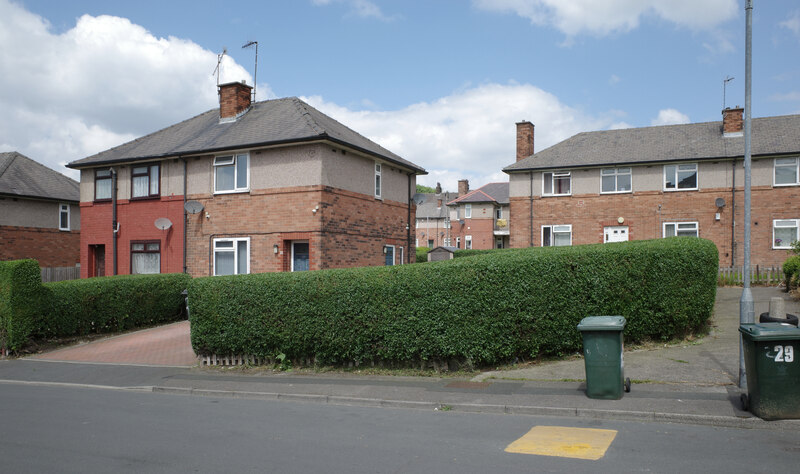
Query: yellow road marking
<point x="579" y="443"/>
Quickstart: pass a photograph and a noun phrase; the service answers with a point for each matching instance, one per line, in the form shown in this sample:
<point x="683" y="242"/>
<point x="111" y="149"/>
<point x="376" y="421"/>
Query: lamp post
<point x="746" y="309"/>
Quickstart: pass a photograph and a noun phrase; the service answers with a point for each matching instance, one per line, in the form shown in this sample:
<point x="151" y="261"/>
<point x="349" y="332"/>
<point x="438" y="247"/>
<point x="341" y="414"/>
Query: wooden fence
<point x="765" y="276"/>
<point x="61" y="273"/>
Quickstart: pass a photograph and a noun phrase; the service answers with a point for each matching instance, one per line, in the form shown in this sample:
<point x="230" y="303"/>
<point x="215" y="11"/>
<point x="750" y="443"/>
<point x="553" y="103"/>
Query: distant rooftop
<point x="24" y="177"/>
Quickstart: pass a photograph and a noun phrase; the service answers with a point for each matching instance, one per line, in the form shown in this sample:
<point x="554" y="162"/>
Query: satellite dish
<point x="193" y="207"/>
<point x="162" y="223"/>
<point x="418" y="199"/>
<point x="720" y="202"/>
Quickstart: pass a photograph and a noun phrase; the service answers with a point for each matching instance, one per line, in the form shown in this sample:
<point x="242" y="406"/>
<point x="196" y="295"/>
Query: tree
<point x="425" y="189"/>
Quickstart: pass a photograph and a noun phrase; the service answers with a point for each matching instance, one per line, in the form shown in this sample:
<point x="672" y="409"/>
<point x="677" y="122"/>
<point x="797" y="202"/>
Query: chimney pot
<point x="234" y="98"/>
<point x="524" y="139"/>
<point x="463" y="187"/>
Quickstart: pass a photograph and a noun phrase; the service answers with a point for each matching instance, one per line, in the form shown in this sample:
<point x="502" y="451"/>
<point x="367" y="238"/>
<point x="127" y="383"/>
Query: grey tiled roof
<point x="492" y="192"/>
<point x="21" y="176"/>
<point x="770" y="136"/>
<point x="271" y="122"/>
<point x="428" y="207"/>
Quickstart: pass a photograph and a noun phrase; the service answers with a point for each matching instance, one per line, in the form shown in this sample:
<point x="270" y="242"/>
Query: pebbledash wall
<point x="646" y="209"/>
<point x="30" y="229"/>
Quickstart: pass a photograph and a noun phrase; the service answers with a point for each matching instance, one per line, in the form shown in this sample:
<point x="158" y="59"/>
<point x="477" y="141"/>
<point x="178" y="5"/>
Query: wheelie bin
<point x="773" y="371"/>
<point x="602" y="352"/>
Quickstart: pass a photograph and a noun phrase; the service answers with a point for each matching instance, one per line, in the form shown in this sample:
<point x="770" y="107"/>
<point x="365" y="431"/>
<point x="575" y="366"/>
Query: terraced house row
<point x="250" y="187"/>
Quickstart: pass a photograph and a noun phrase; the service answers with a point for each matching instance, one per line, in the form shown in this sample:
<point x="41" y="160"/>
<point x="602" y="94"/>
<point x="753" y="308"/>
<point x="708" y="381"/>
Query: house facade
<point x="655" y="182"/>
<point x="479" y="219"/>
<point x="39" y="213"/>
<point x="247" y="188"/>
<point x="433" y="219"/>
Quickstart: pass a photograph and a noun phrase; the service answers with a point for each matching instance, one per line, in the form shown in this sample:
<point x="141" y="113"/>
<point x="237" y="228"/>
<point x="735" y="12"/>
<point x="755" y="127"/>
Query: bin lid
<point x="769" y="332"/>
<point x="602" y="323"/>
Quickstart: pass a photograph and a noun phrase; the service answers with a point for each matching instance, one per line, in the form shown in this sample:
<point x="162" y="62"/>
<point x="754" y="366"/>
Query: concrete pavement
<point x="692" y="383"/>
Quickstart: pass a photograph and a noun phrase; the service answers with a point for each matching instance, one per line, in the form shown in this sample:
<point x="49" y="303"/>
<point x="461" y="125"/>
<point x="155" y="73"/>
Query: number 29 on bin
<point x="784" y="354"/>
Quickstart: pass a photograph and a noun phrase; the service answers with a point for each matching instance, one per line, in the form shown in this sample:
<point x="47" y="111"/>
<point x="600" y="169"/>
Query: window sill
<point x="145" y="198"/>
<point x="680" y="190"/>
<point x="101" y="201"/>
<point x="785" y="185"/>
<point x="556" y="195"/>
<point x="616" y="192"/>
<point x="236" y="191"/>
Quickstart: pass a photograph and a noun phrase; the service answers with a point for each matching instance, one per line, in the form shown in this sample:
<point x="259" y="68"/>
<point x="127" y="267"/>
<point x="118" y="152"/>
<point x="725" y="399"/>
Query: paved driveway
<point x="165" y="345"/>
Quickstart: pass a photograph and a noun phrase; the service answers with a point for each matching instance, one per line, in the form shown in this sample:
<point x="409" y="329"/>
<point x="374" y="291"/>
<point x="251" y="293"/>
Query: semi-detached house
<point x="255" y="187"/>
<point x="654" y="182"/>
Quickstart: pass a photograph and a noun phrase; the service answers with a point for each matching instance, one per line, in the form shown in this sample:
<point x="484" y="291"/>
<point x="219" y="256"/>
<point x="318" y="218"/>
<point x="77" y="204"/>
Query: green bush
<point x="422" y="254"/>
<point x="21" y="295"/>
<point x="791" y="270"/>
<point x="473" y="252"/>
<point x="114" y="303"/>
<point x="485" y="309"/>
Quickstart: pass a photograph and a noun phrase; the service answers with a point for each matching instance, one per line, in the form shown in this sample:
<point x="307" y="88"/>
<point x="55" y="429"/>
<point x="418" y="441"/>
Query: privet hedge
<point x="485" y="309"/>
<point x="21" y="296"/>
<point x="422" y="254"/>
<point x="114" y="303"/>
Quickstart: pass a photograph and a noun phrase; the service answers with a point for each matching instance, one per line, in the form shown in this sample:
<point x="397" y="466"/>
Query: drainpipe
<point x="733" y="217"/>
<point x="114" y="223"/>
<point x="531" y="206"/>
<point x="185" y="216"/>
<point x="408" y="223"/>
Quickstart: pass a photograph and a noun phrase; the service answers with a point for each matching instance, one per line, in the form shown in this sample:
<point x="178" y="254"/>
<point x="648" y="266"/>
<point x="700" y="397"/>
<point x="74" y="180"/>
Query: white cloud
<point x="359" y="8"/>
<point x="468" y="134"/>
<point x="792" y="23"/>
<point x="103" y="82"/>
<point x="614" y="79"/>
<point x="793" y="96"/>
<point x="669" y="117"/>
<point x="599" y="18"/>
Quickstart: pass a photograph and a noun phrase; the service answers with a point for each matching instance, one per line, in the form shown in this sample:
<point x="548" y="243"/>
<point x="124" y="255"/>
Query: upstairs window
<point x="557" y="183"/>
<point x="556" y="235"/>
<point x="231" y="173"/>
<point x="378" y="180"/>
<point x="616" y="180"/>
<point x="498" y="213"/>
<point x="63" y="217"/>
<point x="102" y="185"/>
<point x="680" y="177"/>
<point x="784" y="232"/>
<point x="144" y="181"/>
<point x="684" y="229"/>
<point x="467" y="211"/>
<point x="787" y="171"/>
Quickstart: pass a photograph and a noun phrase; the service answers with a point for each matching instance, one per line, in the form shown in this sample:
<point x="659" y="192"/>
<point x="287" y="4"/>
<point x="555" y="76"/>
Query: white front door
<point x="615" y="234"/>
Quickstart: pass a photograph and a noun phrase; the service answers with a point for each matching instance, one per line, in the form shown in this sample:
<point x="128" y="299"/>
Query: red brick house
<point x="654" y="182"/>
<point x="479" y="219"/>
<point x="247" y="188"/>
<point x="433" y="218"/>
<point x="39" y="213"/>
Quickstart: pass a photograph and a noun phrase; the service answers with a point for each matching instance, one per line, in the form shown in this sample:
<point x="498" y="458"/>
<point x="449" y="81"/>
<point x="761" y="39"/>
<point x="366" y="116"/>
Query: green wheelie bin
<point x="602" y="353"/>
<point x="773" y="371"/>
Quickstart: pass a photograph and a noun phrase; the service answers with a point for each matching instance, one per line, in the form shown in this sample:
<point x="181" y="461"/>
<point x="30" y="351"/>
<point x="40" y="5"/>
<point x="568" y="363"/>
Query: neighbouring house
<point x="433" y="219"/>
<point x="654" y="182"/>
<point x="39" y="213"/>
<point x="479" y="219"/>
<point x="249" y="187"/>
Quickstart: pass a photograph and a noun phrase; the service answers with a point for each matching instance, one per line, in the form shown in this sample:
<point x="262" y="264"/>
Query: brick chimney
<point x="234" y="98"/>
<point x="463" y="187"/>
<point x="524" y="140"/>
<point x="732" y="122"/>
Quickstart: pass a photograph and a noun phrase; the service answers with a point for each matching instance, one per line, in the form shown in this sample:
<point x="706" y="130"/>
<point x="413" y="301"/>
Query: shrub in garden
<point x="422" y="254"/>
<point x="791" y="270"/>
<point x="487" y="308"/>
<point x="21" y="296"/>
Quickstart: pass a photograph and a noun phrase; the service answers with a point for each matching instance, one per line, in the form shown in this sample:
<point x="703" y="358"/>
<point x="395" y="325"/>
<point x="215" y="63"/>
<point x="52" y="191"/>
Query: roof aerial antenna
<point x="255" y="72"/>
<point x="219" y="61"/>
<point x="724" y="86"/>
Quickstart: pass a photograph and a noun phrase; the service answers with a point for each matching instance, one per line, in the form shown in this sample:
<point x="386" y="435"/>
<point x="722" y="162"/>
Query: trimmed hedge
<point x="422" y="254"/>
<point x="114" y="303"/>
<point x="473" y="252"/>
<point x="484" y="309"/>
<point x="21" y="296"/>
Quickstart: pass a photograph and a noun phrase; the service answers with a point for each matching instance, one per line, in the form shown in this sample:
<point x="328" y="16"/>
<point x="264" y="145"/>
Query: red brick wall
<point x="137" y="223"/>
<point x="645" y="212"/>
<point x="51" y="247"/>
<point x="481" y="230"/>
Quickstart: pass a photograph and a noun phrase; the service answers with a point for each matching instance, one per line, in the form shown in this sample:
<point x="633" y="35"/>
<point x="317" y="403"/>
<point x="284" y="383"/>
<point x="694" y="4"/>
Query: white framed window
<point x="231" y="173"/>
<point x="615" y="180"/>
<point x="498" y="213"/>
<point x="400" y="255"/>
<point x="784" y="232"/>
<point x="447" y="242"/>
<point x="467" y="211"/>
<point x="458" y="242"/>
<point x="378" y="169"/>
<point x="63" y="217"/>
<point x="556" y="235"/>
<point x="680" y="177"/>
<point x="145" y="257"/>
<point x="685" y="229"/>
<point x="144" y="181"/>
<point x="467" y="242"/>
<point x="102" y="184"/>
<point x="232" y="256"/>
<point x="557" y="183"/>
<point x="787" y="171"/>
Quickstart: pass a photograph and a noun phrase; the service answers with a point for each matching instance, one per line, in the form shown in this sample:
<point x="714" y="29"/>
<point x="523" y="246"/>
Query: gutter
<point x="185" y="216"/>
<point x="114" y="223"/>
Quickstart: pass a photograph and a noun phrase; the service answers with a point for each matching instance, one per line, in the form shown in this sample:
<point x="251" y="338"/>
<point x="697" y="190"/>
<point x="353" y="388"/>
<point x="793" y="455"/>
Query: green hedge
<point x="21" y="296"/>
<point x="422" y="254"/>
<point x="791" y="270"/>
<point x="114" y="303"/>
<point x="485" y="309"/>
<point x="473" y="252"/>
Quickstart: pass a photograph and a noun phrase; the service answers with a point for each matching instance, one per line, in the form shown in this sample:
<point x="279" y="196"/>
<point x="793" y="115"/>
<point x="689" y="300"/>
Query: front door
<point x="615" y="234"/>
<point x="98" y="255"/>
<point x="299" y="256"/>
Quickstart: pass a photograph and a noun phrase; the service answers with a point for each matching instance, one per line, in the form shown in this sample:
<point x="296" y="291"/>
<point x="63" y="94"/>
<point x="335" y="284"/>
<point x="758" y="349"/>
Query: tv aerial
<point x="219" y="61"/>
<point x="255" y="71"/>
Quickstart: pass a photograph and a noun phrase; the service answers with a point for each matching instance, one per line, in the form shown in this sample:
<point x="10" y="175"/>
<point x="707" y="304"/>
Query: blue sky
<point x="439" y="82"/>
